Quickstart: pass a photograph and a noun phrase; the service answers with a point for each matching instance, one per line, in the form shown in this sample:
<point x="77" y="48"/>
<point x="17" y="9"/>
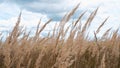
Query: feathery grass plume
<point x="106" y="34"/>
<point x="96" y="41"/>
<point x="15" y="32"/>
<point x="79" y="19"/>
<point x="65" y="19"/>
<point x="15" y="29"/>
<point x="54" y="30"/>
<point x="37" y="31"/>
<point x="66" y="31"/>
<point x="61" y="25"/>
<point x="44" y="26"/>
<point x="98" y="30"/>
<point x="114" y="37"/>
<point x="89" y="20"/>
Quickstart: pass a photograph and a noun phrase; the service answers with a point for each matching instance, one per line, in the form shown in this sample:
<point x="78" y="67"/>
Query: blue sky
<point x="33" y="10"/>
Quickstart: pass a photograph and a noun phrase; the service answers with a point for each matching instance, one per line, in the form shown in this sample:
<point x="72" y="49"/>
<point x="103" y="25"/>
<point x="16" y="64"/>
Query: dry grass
<point x="57" y="51"/>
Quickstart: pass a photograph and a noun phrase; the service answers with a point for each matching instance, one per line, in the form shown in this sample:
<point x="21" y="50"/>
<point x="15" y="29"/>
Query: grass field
<point x="20" y="50"/>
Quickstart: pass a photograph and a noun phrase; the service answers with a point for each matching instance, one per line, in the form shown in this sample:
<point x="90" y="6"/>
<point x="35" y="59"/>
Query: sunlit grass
<point x="55" y="50"/>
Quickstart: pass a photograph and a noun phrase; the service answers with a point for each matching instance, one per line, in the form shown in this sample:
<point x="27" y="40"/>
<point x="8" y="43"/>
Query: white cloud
<point x="35" y="9"/>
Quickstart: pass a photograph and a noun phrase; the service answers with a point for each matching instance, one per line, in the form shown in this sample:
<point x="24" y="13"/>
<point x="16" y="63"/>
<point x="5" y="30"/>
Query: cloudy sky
<point x="33" y="10"/>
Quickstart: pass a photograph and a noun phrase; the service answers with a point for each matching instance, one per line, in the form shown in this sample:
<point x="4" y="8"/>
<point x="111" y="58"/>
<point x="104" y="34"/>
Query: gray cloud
<point x="54" y="9"/>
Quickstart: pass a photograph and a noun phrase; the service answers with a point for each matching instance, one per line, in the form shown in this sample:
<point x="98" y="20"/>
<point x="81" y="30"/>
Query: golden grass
<point x="57" y="51"/>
